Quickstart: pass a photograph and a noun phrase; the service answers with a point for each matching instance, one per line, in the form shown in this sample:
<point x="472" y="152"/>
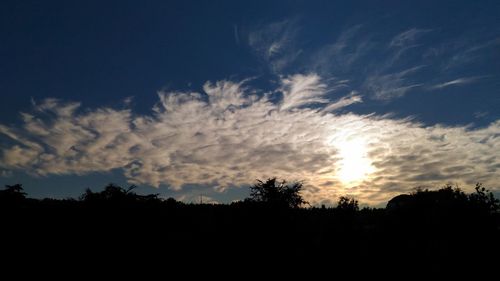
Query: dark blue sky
<point x="437" y="62"/>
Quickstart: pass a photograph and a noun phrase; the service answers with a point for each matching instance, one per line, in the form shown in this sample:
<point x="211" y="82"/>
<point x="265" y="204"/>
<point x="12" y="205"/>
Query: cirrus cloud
<point x="232" y="133"/>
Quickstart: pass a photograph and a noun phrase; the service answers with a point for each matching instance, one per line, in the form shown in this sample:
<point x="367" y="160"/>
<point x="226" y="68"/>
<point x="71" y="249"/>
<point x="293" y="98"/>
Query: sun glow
<point x="355" y="166"/>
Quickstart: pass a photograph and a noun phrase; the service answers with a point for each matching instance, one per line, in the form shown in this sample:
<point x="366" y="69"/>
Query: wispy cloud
<point x="345" y="51"/>
<point x="455" y="82"/>
<point x="481" y="114"/>
<point x="466" y="53"/>
<point x="300" y="90"/>
<point x="236" y="34"/>
<point x="275" y="43"/>
<point x="5" y="173"/>
<point x="345" y="101"/>
<point x="378" y="65"/>
<point x="391" y="85"/>
<point x="407" y="37"/>
<point x="232" y="133"/>
<point x="376" y="71"/>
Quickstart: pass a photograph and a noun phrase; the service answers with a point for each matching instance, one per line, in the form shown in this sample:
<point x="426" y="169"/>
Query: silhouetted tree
<point x="347" y="204"/>
<point x="171" y="202"/>
<point x="400" y="201"/>
<point x="277" y="193"/>
<point x="12" y="194"/>
<point x="446" y="199"/>
<point x="111" y="192"/>
<point x="484" y="199"/>
<point x="116" y="194"/>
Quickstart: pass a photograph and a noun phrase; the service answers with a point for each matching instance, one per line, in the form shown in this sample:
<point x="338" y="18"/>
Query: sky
<point x="192" y="99"/>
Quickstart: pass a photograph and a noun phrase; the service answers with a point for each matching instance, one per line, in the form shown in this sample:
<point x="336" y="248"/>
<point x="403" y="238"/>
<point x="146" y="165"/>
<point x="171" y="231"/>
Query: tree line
<point x="274" y="193"/>
<point x="444" y="228"/>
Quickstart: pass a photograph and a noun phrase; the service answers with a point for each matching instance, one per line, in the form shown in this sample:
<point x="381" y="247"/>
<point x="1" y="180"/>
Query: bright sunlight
<point x="354" y="165"/>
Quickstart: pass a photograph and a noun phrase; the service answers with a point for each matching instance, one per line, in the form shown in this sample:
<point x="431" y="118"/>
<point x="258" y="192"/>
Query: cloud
<point x="275" y="43"/>
<point x="340" y="56"/>
<point x="387" y="73"/>
<point x="467" y="52"/>
<point x="481" y="114"/>
<point x="392" y="85"/>
<point x="382" y="66"/>
<point x="407" y="37"/>
<point x="300" y="90"/>
<point x="236" y="35"/>
<point x="232" y="133"/>
<point x="456" y="82"/>
<point x="5" y="173"/>
<point x="345" y="101"/>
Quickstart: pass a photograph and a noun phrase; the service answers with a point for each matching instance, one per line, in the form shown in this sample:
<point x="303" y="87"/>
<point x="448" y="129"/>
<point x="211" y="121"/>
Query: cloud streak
<point x="236" y="35"/>
<point x="380" y="66"/>
<point x="407" y="37"/>
<point x="380" y="69"/>
<point x="456" y="82"/>
<point x="391" y="85"/>
<point x="345" y="101"/>
<point x="232" y="133"/>
<point x="275" y="43"/>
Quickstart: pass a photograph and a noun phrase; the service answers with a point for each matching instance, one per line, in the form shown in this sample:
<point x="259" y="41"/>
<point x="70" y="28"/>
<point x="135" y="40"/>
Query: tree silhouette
<point x="347" y="204"/>
<point x="12" y="194"/>
<point x="277" y="193"/>
<point x="399" y="202"/>
<point x="447" y="198"/>
<point x="484" y="199"/>
<point x="113" y="194"/>
<point x="440" y="226"/>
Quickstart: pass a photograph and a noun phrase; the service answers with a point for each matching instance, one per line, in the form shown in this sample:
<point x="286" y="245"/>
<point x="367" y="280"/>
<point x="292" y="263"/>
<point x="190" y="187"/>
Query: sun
<point x="354" y="165"/>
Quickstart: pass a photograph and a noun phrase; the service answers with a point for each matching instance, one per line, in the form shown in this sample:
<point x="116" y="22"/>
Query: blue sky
<point x="173" y="95"/>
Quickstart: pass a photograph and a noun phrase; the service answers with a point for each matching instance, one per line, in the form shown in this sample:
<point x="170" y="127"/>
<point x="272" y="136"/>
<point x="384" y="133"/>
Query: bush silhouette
<point x="445" y="226"/>
<point x="446" y="199"/>
<point x="114" y="194"/>
<point x="347" y="204"/>
<point x="484" y="199"/>
<point x="277" y="193"/>
<point x="12" y="194"/>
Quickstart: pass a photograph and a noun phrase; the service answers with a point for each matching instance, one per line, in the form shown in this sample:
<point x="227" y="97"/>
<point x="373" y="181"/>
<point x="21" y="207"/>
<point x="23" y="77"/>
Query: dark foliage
<point x="484" y="200"/>
<point x="12" y="195"/>
<point x="117" y="195"/>
<point x="277" y="193"/>
<point x="432" y="230"/>
<point x="347" y="204"/>
<point x="446" y="199"/>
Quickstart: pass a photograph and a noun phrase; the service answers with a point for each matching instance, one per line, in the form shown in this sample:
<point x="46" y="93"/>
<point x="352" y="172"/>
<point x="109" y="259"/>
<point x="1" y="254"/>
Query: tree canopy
<point x="277" y="193"/>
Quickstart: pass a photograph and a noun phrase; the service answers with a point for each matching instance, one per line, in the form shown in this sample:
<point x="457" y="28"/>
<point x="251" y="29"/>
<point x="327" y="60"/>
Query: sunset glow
<point x="354" y="165"/>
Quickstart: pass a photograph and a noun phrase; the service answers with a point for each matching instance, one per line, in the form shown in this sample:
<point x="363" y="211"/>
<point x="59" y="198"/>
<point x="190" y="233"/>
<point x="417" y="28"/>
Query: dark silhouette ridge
<point x="436" y="230"/>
